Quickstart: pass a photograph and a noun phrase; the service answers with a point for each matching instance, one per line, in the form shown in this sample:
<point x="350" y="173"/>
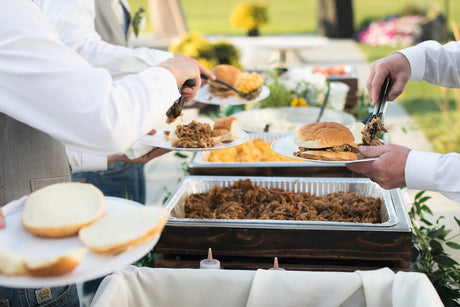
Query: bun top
<point x="321" y="135"/>
<point x="60" y="210"/>
<point x="226" y="73"/>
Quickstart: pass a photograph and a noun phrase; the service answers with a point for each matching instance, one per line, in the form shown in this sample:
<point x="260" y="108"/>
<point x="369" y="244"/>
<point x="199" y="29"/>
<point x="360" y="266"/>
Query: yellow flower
<point x="299" y="102"/>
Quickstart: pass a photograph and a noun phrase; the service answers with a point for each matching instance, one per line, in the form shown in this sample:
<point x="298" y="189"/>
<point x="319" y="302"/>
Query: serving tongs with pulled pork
<point x="374" y="122"/>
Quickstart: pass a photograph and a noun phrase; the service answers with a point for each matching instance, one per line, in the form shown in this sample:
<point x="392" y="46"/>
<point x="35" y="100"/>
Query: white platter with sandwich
<point x="50" y="249"/>
<point x="325" y="142"/>
<point x="250" y="85"/>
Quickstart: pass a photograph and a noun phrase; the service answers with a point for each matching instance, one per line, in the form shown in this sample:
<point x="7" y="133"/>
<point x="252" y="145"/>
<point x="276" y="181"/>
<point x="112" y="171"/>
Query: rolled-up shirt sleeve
<point x="48" y="86"/>
<point x="434" y="172"/>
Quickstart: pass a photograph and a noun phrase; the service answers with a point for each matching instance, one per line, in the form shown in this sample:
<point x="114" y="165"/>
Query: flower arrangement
<point x="250" y="16"/>
<point x="209" y="55"/>
<point x="395" y="31"/>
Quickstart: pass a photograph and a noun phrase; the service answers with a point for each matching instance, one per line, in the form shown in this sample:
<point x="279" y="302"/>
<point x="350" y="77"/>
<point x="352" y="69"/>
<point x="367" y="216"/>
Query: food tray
<point x="301" y="245"/>
<point x="317" y="186"/>
<point x="200" y="166"/>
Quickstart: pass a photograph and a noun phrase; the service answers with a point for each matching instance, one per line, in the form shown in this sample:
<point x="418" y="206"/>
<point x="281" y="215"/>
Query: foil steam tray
<point x="314" y="185"/>
<point x="200" y="159"/>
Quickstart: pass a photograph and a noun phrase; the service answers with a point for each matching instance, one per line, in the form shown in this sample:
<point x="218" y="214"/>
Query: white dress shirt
<point x="48" y="86"/>
<point x="74" y="21"/>
<point x="436" y="64"/>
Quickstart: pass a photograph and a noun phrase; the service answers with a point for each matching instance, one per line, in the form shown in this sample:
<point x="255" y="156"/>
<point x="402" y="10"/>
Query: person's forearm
<point x="74" y="21"/>
<point x="51" y="88"/>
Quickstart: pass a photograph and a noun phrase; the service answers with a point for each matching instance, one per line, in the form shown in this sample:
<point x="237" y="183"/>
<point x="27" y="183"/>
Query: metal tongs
<point x="379" y="107"/>
<point x="176" y="109"/>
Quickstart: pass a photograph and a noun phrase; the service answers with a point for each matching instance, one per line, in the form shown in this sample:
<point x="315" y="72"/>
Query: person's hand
<point x="203" y="70"/>
<point x="397" y="67"/>
<point x="184" y="69"/>
<point x="2" y="219"/>
<point x="388" y="169"/>
<point x="154" y="153"/>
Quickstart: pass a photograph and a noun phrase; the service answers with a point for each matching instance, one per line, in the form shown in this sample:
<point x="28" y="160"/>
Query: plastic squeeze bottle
<point x="276" y="266"/>
<point x="210" y="263"/>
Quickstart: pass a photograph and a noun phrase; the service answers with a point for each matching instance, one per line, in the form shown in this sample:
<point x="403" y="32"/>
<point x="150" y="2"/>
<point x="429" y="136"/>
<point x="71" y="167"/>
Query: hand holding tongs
<point x="379" y="107"/>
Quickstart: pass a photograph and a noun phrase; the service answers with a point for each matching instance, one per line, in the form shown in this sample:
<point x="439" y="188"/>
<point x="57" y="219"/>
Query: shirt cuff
<point x="416" y="58"/>
<point x="420" y="170"/>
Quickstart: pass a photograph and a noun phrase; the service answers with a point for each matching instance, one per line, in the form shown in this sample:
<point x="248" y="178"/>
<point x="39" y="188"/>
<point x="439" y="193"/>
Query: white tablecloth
<point x="132" y="286"/>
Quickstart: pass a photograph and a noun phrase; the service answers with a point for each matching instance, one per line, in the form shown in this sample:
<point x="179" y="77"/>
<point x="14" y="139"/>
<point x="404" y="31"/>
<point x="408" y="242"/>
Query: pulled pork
<point x="372" y="131"/>
<point x="244" y="200"/>
<point x="195" y="135"/>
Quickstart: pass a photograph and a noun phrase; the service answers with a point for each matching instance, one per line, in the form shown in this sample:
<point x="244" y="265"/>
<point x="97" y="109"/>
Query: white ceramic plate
<point x="205" y="96"/>
<point x="288" y="119"/>
<point x="159" y="140"/>
<point x="15" y="238"/>
<point x="285" y="146"/>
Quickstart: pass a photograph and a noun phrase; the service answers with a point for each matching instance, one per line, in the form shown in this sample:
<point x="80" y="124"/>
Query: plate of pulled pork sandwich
<point x="200" y="134"/>
<point x="249" y="85"/>
<point x="327" y="142"/>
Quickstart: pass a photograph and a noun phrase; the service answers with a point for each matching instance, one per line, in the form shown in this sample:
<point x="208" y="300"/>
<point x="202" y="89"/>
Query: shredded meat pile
<point x="372" y="131"/>
<point x="244" y="200"/>
<point x="195" y="135"/>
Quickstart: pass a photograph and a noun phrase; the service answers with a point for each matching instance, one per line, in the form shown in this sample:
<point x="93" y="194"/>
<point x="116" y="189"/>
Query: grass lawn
<point x="421" y="100"/>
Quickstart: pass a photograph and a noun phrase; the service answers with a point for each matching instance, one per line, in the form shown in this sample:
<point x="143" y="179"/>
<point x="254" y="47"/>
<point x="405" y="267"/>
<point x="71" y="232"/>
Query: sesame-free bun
<point x="227" y="73"/>
<point x="12" y="263"/>
<point x="60" y="210"/>
<point x="123" y="229"/>
<point x="228" y="128"/>
<point x="322" y="135"/>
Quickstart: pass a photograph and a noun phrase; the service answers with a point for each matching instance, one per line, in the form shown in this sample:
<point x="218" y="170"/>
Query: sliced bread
<point x="60" y="210"/>
<point x="12" y="263"/>
<point x="120" y="230"/>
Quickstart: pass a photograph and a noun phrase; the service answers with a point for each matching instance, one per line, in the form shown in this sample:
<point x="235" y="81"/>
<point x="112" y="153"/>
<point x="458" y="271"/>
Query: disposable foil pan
<point x="314" y="185"/>
<point x="200" y="159"/>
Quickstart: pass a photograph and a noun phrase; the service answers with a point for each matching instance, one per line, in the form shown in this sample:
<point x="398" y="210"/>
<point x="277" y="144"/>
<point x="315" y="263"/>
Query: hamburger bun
<point x="227" y="73"/>
<point x="12" y="263"/>
<point x="60" y="210"/>
<point x="123" y="229"/>
<point x="228" y="128"/>
<point x="325" y="141"/>
<point x="321" y="135"/>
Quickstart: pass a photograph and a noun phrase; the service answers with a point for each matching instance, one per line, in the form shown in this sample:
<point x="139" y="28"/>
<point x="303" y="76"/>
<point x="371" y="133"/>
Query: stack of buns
<point x="67" y="209"/>
<point x="325" y="141"/>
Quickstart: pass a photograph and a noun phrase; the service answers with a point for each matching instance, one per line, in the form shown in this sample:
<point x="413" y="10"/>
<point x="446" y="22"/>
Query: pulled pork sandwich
<point x="227" y="73"/>
<point x="196" y="134"/>
<point x="325" y="141"/>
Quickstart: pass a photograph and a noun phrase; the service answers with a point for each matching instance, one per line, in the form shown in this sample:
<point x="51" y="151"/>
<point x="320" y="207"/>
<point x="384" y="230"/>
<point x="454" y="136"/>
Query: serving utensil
<point x="379" y="107"/>
<point x="323" y="105"/>
<point x="176" y="109"/>
<point x="247" y="96"/>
